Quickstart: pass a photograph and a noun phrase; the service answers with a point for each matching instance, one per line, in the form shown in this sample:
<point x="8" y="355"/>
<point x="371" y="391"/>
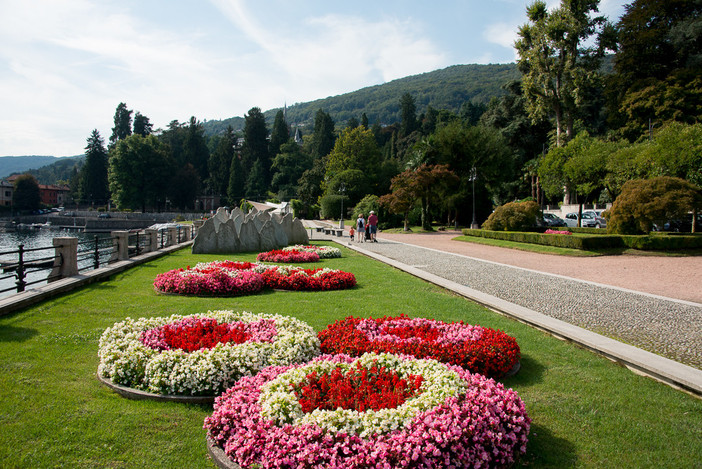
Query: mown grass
<point x="586" y="410"/>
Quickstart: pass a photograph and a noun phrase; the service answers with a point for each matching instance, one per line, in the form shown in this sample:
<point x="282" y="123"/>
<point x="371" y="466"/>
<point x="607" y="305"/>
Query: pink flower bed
<point x="209" y="280"/>
<point x="550" y="231"/>
<point x="288" y="255"/>
<point x="467" y="420"/>
<point x="229" y="278"/>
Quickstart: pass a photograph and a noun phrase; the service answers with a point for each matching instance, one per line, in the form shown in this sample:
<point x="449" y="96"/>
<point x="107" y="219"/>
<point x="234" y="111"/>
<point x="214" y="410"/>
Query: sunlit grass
<point x="587" y="411"/>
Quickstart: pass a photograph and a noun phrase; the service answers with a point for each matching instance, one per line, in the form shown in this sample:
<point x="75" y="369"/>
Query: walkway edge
<point x="35" y="295"/>
<point x="639" y="361"/>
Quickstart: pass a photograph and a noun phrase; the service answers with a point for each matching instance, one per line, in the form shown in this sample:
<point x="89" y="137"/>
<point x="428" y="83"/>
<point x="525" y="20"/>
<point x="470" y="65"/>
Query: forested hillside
<point x="446" y="89"/>
<point x="16" y="164"/>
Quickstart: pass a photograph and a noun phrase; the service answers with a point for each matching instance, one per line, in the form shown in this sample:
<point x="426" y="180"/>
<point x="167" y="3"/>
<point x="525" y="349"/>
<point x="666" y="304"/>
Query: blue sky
<point x="65" y="65"/>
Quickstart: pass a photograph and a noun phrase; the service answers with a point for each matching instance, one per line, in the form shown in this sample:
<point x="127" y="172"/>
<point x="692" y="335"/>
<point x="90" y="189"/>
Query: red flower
<point x="482" y="350"/>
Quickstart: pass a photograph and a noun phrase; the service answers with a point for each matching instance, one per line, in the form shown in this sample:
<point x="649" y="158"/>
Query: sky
<point x="65" y="65"/>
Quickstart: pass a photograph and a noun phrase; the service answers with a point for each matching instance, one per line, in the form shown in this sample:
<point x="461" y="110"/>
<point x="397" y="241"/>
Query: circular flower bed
<point x="202" y="354"/>
<point x="374" y="411"/>
<point x="211" y="279"/>
<point x="481" y="350"/>
<point x="287" y="255"/>
<point x="324" y="252"/>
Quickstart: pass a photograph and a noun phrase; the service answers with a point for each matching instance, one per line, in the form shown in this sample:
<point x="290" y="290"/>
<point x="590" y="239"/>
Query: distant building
<point x="53" y="195"/>
<point x="6" y="191"/>
<point x="49" y="194"/>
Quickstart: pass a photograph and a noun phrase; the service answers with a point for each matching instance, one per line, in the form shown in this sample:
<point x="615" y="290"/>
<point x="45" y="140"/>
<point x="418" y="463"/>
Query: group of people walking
<point x="365" y="229"/>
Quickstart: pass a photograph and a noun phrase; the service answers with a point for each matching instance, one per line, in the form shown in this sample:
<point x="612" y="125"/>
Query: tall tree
<point x="255" y="149"/>
<point x="279" y="135"/>
<point x="408" y="115"/>
<point x="364" y="121"/>
<point x="288" y="166"/>
<point x="220" y="163"/>
<point x="237" y="182"/>
<point x="123" y="124"/>
<point x="142" y="125"/>
<point x="140" y="172"/>
<point x="195" y="148"/>
<point x="355" y="150"/>
<point x="93" y="185"/>
<point x="323" y="137"/>
<point x="556" y="69"/>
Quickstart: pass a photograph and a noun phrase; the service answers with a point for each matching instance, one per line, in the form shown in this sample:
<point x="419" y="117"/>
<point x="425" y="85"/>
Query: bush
<point x="513" y="216"/>
<point x="330" y="206"/>
<point x="645" y="202"/>
<point x="368" y="203"/>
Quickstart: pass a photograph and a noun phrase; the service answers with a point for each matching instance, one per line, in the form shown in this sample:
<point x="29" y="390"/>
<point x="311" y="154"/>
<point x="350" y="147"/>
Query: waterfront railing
<point x="24" y="267"/>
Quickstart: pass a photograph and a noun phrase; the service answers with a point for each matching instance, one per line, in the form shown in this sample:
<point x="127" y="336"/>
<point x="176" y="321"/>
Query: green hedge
<point x="603" y="241"/>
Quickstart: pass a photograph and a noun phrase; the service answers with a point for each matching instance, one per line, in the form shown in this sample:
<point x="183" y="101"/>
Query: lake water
<point x="42" y="238"/>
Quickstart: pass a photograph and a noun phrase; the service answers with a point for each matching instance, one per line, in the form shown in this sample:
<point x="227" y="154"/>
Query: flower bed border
<point x="139" y="395"/>
<point x="218" y="456"/>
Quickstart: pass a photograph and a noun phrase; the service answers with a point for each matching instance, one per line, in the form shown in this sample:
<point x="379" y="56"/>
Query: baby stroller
<point x="367" y="235"/>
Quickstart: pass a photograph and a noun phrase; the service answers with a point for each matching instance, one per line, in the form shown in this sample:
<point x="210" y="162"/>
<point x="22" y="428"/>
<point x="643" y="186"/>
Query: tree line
<point x="567" y="123"/>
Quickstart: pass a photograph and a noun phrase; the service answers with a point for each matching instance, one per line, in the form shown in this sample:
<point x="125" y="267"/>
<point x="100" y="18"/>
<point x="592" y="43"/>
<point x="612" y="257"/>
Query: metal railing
<point x="30" y="263"/>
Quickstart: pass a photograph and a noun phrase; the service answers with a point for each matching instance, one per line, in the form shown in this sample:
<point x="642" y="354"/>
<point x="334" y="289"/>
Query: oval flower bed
<point x="481" y="350"/>
<point x="229" y="278"/>
<point x="374" y="411"/>
<point x="288" y="277"/>
<point x="324" y="252"/>
<point x="287" y="255"/>
<point x="201" y="354"/>
<point x="214" y="279"/>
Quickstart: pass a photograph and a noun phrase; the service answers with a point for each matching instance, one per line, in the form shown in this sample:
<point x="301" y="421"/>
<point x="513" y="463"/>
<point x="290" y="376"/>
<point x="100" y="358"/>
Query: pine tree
<point x="142" y="125"/>
<point x="279" y="135"/>
<point x="123" y="124"/>
<point x="93" y="176"/>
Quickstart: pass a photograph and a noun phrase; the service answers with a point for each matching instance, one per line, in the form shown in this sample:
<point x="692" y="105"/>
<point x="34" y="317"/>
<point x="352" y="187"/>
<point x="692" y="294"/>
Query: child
<point x="351" y="233"/>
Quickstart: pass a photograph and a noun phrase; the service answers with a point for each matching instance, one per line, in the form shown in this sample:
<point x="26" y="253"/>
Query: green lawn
<point x="586" y="410"/>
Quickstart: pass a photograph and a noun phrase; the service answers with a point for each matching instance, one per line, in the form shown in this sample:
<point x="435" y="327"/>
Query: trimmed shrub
<point x="513" y="216"/>
<point x="603" y="241"/>
<point x="644" y="202"/>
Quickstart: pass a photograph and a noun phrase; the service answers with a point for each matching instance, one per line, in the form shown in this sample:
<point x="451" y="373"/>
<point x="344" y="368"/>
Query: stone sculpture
<point x="237" y="231"/>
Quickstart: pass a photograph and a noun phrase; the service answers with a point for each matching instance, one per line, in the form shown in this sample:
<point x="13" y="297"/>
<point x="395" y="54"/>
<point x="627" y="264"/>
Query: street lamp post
<point x="473" y="176"/>
<point x="342" y="189"/>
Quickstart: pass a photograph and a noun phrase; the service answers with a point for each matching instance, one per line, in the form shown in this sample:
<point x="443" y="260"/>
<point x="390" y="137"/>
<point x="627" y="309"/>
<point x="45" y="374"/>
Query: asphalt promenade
<point x="650" y="334"/>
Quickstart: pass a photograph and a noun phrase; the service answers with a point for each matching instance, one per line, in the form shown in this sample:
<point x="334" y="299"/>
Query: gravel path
<point x="666" y="326"/>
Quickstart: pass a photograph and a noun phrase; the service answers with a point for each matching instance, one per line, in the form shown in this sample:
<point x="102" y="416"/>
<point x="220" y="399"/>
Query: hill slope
<point x="447" y="88"/>
<point x="18" y="164"/>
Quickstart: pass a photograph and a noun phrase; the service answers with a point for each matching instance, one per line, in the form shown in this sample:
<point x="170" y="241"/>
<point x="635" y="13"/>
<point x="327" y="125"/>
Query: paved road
<point x="667" y="326"/>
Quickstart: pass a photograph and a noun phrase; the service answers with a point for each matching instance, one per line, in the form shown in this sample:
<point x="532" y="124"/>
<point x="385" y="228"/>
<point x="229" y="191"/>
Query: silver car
<point x="594" y="219"/>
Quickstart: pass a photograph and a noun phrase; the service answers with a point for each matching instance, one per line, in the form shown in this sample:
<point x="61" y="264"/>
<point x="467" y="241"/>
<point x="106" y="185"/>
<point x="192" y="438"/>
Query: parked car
<point x="105" y="215"/>
<point x="591" y="219"/>
<point x="594" y="219"/>
<point x="553" y="220"/>
<point x="571" y="220"/>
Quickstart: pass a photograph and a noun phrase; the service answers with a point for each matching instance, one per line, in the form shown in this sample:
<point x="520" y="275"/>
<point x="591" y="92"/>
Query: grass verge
<point x="586" y="410"/>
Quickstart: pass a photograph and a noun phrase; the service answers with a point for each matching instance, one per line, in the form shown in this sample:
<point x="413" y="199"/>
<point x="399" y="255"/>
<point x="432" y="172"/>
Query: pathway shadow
<point x="16" y="334"/>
